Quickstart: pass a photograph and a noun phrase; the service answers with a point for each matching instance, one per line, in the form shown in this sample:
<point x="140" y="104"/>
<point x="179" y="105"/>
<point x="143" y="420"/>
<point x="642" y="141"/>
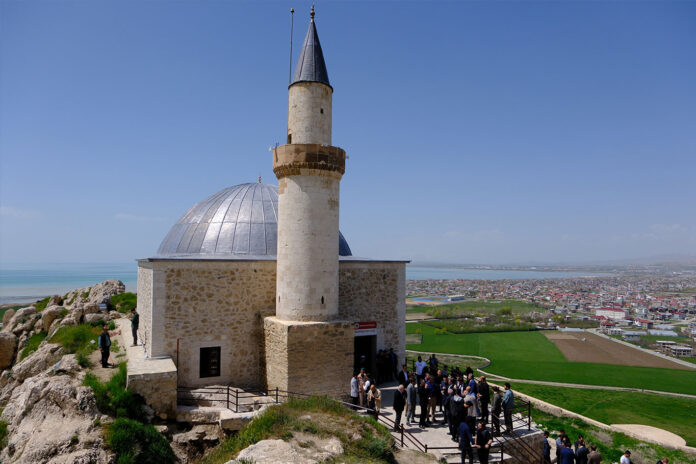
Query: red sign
<point x="365" y="325"/>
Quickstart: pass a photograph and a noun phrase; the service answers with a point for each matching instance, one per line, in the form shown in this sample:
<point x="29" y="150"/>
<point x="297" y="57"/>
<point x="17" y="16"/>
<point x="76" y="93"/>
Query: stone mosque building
<point x="256" y="287"/>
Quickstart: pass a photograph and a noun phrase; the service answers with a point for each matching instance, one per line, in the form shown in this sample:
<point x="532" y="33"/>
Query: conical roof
<point x="310" y="65"/>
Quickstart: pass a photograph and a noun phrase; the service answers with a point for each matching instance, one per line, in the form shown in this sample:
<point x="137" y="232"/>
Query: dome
<point x="239" y="221"/>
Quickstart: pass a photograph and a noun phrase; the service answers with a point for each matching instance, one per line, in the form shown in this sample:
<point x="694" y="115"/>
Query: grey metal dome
<point x="240" y="220"/>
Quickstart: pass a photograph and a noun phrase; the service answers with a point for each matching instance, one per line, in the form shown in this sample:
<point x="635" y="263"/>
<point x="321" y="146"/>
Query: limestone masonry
<point x="255" y="286"/>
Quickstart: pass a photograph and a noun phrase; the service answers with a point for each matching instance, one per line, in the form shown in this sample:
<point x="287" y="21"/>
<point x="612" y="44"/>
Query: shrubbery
<point x="137" y="443"/>
<point x="32" y="345"/>
<point x="123" y="302"/>
<point x="80" y="339"/>
<point x="112" y="396"/>
<point x="41" y="304"/>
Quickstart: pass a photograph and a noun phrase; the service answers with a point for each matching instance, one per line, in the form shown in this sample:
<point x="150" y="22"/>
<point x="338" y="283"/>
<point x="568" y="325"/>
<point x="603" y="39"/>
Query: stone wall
<point x="215" y="303"/>
<point x="376" y="291"/>
<point x="145" y="303"/>
<point x="224" y="303"/>
<point x="309" y="357"/>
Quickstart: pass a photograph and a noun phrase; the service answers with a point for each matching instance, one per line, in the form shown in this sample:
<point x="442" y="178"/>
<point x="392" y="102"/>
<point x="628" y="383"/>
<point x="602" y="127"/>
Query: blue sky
<point x="478" y="132"/>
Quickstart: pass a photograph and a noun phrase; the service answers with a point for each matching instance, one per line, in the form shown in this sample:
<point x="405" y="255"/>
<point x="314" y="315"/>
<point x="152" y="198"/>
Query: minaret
<point x="309" y="171"/>
<point x="306" y="332"/>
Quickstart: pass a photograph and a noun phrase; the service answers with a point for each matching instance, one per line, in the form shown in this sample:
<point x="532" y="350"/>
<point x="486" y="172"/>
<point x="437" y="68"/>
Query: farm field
<point x="676" y="415"/>
<point x="484" y="307"/>
<point x="530" y="355"/>
<point x="588" y="347"/>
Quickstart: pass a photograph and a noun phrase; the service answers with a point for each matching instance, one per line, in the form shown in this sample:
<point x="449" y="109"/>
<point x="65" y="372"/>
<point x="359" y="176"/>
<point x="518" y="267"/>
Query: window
<point x="210" y="362"/>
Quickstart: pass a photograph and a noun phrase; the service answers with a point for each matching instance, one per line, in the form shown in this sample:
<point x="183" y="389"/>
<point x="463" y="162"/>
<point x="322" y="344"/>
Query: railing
<point x="236" y="399"/>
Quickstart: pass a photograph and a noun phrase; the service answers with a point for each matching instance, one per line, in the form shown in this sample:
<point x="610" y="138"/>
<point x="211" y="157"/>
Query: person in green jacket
<point x="135" y="321"/>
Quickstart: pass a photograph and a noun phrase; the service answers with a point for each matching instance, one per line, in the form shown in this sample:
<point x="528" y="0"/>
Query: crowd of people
<point x="470" y="408"/>
<point x="464" y="401"/>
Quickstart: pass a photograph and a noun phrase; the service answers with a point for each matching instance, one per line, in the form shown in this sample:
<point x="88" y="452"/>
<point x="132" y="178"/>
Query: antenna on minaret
<point x="292" y="18"/>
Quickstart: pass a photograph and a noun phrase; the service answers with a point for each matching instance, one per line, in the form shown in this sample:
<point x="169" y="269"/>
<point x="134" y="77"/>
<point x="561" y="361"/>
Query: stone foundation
<point x="309" y="357"/>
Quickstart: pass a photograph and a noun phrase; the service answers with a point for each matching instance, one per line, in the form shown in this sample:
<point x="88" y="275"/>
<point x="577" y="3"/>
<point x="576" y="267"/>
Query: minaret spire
<point x="310" y="64"/>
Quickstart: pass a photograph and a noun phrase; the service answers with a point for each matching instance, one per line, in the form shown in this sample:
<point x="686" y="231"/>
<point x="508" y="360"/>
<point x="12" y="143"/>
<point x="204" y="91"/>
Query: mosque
<point x="255" y="286"/>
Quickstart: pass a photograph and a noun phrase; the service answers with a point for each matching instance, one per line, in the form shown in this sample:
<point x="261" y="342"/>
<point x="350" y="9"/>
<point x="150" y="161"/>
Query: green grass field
<point x="530" y="355"/>
<point x="484" y="307"/>
<point x="677" y="415"/>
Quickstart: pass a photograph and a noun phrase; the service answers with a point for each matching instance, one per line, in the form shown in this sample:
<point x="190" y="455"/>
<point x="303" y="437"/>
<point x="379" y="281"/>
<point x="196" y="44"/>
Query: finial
<point x="259" y="178"/>
<point x="312" y="13"/>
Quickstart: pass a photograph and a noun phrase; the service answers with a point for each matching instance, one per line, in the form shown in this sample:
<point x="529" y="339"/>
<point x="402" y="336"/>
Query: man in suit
<point x="412" y="399"/>
<point x="567" y="455"/>
<point x="402" y="378"/>
<point x="496" y="408"/>
<point x="399" y="403"/>
<point x="465" y="442"/>
<point x="594" y="457"/>
<point x="508" y="405"/>
<point x="484" y="398"/>
<point x="547" y="449"/>
<point x="483" y="443"/>
<point x="581" y="454"/>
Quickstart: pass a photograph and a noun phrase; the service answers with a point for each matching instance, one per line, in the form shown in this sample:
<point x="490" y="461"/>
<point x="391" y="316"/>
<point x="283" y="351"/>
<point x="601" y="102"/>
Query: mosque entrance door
<point x="364" y="353"/>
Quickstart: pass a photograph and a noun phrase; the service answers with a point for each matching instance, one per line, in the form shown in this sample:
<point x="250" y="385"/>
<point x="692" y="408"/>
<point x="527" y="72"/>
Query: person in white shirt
<point x="420" y="365"/>
<point x="354" y="390"/>
<point x="626" y="458"/>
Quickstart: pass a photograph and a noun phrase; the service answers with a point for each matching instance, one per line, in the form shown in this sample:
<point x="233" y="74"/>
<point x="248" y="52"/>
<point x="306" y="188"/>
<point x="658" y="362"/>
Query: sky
<point x="477" y="132"/>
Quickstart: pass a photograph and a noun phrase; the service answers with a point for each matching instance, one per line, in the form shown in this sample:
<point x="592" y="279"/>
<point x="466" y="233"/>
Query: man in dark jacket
<point x="465" y="442"/>
<point x="104" y="343"/>
<point x="567" y="455"/>
<point x="483" y="443"/>
<point x="402" y="378"/>
<point x="423" y="400"/>
<point x="484" y="398"/>
<point x="581" y="454"/>
<point x="547" y="449"/>
<point x="135" y="323"/>
<point x="496" y="409"/>
<point x="399" y="403"/>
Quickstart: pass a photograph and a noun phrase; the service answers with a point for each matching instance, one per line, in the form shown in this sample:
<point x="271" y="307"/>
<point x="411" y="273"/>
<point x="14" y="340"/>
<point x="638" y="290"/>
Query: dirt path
<point x="652" y="433"/>
<point x="118" y="355"/>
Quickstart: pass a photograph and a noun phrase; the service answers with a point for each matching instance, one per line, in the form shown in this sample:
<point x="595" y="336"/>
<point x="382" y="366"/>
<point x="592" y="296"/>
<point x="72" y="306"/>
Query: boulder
<point x="8" y="345"/>
<point x="102" y="293"/>
<point x="40" y="360"/>
<point x="7" y="317"/>
<point x="113" y="315"/>
<point x="92" y="318"/>
<point x="66" y="365"/>
<point x="272" y="452"/>
<point x="55" y="300"/>
<point x="48" y="315"/>
<point x="51" y="419"/>
<point x="19" y="318"/>
<point x="90" y="308"/>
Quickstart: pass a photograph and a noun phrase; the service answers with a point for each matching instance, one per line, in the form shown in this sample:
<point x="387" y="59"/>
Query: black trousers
<point x="483" y="455"/>
<point x="398" y="418"/>
<point x="354" y="400"/>
<point x="135" y="335"/>
<point x="484" y="412"/>
<point x="508" y="419"/>
<point x="495" y="420"/>
<point x="105" y="351"/>
<point x="423" y="413"/>
<point x="467" y="452"/>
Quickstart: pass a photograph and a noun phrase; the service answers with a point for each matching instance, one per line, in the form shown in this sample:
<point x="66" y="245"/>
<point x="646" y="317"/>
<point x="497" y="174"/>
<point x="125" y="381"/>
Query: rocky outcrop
<point x="37" y="362"/>
<point x="297" y="451"/>
<point x="7" y="317"/>
<point x="22" y="320"/>
<point x="8" y="345"/>
<point x="191" y="445"/>
<point x="52" y="419"/>
<point x="49" y="315"/>
<point x="97" y="294"/>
